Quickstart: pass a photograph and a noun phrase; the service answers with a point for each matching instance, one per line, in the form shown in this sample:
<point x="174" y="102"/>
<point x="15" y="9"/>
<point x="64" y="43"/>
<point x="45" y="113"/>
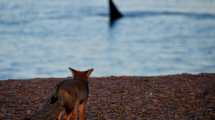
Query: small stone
<point x="28" y="112"/>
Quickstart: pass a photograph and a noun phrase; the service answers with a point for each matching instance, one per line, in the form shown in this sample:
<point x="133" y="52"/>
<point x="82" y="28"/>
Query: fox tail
<point x="54" y="97"/>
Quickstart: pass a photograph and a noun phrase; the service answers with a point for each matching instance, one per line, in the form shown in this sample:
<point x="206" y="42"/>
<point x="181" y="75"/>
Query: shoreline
<point x="182" y="96"/>
<point x="162" y="75"/>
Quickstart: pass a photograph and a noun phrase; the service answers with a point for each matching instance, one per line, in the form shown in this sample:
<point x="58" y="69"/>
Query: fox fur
<point x="73" y="94"/>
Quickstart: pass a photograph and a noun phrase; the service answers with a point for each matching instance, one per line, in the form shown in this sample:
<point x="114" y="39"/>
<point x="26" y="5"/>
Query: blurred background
<point x="42" y="38"/>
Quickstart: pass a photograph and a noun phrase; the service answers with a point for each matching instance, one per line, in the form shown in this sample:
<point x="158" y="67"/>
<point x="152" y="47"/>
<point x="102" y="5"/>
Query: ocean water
<point x="42" y="38"/>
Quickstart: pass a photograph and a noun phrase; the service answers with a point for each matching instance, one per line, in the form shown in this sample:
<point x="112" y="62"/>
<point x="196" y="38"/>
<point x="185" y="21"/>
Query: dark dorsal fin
<point x="114" y="12"/>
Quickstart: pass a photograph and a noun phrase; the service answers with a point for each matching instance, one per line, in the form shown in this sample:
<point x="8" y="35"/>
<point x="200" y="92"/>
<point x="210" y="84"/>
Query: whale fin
<point x="114" y="13"/>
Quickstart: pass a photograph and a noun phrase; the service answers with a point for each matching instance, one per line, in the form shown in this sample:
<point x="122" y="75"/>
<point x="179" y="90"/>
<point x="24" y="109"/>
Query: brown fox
<point x="73" y="94"/>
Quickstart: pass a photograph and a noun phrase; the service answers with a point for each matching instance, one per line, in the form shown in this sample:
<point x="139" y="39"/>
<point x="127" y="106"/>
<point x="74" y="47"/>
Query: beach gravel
<point x="170" y="97"/>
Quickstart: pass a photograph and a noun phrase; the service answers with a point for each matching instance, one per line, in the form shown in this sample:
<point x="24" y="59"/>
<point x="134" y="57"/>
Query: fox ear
<point x="72" y="70"/>
<point x="88" y="72"/>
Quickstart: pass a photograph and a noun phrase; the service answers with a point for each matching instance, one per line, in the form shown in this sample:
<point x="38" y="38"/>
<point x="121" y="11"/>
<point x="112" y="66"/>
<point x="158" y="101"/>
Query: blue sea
<point x="42" y="38"/>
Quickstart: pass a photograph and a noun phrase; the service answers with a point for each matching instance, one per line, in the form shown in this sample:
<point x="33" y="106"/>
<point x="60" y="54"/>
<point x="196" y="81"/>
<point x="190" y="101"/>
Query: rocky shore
<point x="170" y="97"/>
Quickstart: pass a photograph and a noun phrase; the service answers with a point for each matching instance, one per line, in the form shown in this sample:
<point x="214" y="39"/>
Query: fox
<point x="73" y="94"/>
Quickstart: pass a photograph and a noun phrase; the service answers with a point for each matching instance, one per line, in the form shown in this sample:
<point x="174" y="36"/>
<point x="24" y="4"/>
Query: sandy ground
<point x="174" y="97"/>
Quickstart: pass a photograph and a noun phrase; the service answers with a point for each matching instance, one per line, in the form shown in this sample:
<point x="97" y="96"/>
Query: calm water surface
<point x="42" y="38"/>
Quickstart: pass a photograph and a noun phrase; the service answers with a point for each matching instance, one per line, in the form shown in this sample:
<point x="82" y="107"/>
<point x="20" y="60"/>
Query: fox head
<point x="83" y="75"/>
